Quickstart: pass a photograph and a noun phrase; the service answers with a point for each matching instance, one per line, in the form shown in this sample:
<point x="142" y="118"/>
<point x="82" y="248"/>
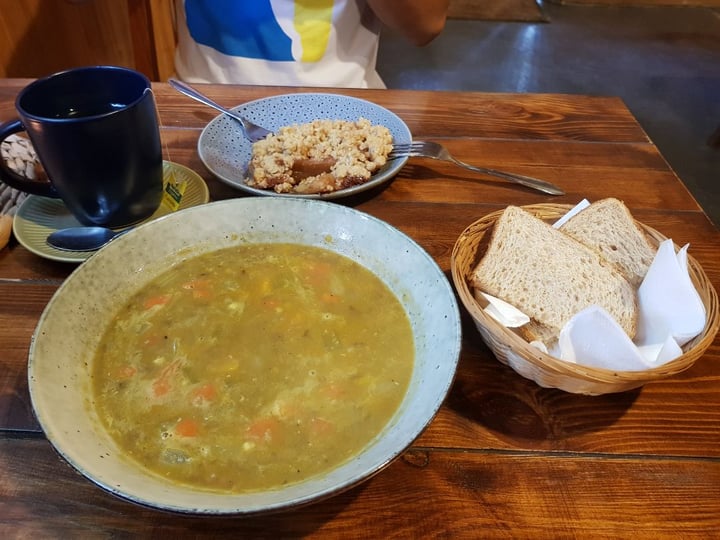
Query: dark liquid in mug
<point x="95" y="109"/>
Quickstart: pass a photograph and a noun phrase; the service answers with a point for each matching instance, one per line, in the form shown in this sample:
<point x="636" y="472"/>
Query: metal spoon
<point x="253" y="132"/>
<point x="82" y="238"/>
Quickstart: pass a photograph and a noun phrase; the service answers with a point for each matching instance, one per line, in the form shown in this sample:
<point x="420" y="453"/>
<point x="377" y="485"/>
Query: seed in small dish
<point x="321" y="156"/>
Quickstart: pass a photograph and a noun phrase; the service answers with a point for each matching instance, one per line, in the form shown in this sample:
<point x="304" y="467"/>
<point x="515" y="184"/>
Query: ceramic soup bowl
<point x="63" y="345"/>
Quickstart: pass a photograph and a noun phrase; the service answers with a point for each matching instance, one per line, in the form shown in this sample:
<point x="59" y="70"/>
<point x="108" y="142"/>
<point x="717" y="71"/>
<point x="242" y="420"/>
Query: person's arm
<point x="419" y="21"/>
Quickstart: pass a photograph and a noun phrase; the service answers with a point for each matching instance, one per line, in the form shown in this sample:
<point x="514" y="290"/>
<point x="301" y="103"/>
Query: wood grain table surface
<point x="504" y="458"/>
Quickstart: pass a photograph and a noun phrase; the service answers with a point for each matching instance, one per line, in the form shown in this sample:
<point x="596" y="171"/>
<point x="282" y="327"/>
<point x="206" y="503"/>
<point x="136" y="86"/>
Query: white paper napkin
<point x="593" y="338"/>
<point x="506" y="314"/>
<point x="669" y="302"/>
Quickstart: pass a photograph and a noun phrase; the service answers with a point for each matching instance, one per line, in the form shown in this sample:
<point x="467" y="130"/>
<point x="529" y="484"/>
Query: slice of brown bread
<point x="608" y="227"/>
<point x="535" y="331"/>
<point x="549" y="275"/>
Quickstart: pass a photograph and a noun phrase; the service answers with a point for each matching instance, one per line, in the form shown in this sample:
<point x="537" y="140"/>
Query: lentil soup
<point x="253" y="367"/>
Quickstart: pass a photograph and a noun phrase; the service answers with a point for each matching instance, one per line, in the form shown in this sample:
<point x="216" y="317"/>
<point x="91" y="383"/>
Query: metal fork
<point x="434" y="150"/>
<point x="252" y="132"/>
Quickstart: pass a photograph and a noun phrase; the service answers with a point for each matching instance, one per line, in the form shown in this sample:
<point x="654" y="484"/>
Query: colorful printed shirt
<point x="278" y="42"/>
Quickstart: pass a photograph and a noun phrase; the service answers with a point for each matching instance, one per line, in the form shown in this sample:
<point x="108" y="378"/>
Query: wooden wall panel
<point x="153" y="37"/>
<point x="39" y="37"/>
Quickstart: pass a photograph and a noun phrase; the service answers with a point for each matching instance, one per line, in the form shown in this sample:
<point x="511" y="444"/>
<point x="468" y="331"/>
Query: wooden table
<point x="504" y="457"/>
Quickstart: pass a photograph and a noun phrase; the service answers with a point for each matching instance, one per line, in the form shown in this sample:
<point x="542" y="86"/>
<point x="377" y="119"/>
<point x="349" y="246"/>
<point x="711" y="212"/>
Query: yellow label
<point x="174" y="192"/>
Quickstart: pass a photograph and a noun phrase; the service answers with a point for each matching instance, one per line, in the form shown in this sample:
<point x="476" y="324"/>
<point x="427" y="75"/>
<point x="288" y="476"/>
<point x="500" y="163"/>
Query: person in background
<point x="295" y="42"/>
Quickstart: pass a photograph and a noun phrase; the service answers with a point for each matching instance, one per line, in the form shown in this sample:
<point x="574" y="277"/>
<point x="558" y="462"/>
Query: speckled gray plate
<point x="226" y="152"/>
<point x="61" y="356"/>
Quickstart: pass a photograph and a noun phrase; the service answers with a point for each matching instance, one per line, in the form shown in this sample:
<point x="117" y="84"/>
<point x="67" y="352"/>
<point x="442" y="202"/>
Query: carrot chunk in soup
<point x="187" y="427"/>
<point x="253" y="367"/>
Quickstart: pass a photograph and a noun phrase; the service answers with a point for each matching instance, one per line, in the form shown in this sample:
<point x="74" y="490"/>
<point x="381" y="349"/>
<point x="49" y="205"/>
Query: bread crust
<point x="608" y="227"/>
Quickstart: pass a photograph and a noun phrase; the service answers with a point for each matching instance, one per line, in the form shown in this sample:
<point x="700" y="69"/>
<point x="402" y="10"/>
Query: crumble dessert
<point x="321" y="156"/>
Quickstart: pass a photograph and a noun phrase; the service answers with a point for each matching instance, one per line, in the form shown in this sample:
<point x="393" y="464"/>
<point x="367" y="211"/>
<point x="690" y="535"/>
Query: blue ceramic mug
<point x="95" y="131"/>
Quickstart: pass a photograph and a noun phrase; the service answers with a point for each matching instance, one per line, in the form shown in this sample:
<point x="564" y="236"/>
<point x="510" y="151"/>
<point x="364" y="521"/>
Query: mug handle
<point x="13" y="179"/>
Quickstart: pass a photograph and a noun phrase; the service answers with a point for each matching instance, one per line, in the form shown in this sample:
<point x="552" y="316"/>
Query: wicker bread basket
<point x="544" y="369"/>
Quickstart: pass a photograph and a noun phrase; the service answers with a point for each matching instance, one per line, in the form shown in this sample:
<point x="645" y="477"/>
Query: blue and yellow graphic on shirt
<point x="250" y="28"/>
